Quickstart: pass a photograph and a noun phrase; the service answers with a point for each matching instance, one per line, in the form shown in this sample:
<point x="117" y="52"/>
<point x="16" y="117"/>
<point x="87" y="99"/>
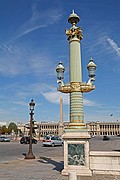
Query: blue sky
<point x="33" y="41"/>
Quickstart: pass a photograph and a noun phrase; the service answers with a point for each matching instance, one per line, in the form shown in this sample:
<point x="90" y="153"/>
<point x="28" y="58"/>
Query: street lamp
<point x="30" y="153"/>
<point x="60" y="73"/>
<point x="91" y="69"/>
<point x="75" y="86"/>
<point x="76" y="137"/>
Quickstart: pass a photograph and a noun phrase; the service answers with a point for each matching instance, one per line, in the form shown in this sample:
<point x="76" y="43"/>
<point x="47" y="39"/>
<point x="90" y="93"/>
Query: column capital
<point x="74" y="33"/>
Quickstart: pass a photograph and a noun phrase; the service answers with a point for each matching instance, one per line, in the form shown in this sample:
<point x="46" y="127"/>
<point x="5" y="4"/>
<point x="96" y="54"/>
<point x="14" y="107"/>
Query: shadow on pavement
<point x="24" y="154"/>
<point x="58" y="165"/>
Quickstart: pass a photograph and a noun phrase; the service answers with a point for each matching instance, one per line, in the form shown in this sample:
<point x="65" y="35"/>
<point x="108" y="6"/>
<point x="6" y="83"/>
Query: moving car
<point x="26" y="140"/>
<point x="106" y="138"/>
<point x="52" y="141"/>
<point x="4" y="139"/>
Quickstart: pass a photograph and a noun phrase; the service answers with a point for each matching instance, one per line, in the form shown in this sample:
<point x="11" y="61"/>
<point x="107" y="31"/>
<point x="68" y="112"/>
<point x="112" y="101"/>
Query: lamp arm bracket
<point x="60" y="82"/>
<point x="90" y="81"/>
<point x="76" y="87"/>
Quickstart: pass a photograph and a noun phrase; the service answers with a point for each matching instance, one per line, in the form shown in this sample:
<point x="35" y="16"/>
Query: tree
<point x="0" y="130"/>
<point x="4" y="129"/>
<point x="12" y="126"/>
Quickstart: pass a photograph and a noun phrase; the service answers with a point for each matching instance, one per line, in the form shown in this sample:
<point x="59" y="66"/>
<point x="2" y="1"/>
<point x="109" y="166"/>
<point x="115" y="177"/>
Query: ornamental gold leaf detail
<point x="76" y="87"/>
<point x="74" y="32"/>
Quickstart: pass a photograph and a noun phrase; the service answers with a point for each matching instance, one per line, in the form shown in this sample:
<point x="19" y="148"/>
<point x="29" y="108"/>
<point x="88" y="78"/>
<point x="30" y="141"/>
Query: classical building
<point x="43" y="128"/>
<point x="48" y="128"/>
<point x="94" y="128"/>
<point x="103" y="128"/>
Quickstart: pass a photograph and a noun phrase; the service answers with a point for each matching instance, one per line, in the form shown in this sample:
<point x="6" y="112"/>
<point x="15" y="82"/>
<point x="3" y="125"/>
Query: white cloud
<point x="11" y="60"/>
<point x="7" y="48"/>
<point x="16" y="60"/>
<point x="54" y="97"/>
<point x="20" y="93"/>
<point x="21" y="103"/>
<point x="114" y="46"/>
<point x="39" y="19"/>
<point x="87" y="102"/>
<point x="41" y="64"/>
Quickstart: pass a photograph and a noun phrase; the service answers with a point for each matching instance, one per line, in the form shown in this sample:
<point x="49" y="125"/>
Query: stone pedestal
<point x="76" y="153"/>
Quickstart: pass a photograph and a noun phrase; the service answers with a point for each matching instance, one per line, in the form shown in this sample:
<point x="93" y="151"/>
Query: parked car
<point x="106" y="138"/>
<point x="52" y="141"/>
<point x="26" y="140"/>
<point x="4" y="139"/>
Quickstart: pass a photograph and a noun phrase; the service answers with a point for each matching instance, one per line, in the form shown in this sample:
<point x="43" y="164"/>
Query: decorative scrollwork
<point x="76" y="87"/>
<point x="87" y="88"/>
<point x="74" y="32"/>
<point x="65" y="88"/>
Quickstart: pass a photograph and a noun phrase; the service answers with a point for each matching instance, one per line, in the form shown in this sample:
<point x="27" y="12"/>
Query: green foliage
<point x="4" y="130"/>
<point x="12" y="126"/>
<point x="0" y="130"/>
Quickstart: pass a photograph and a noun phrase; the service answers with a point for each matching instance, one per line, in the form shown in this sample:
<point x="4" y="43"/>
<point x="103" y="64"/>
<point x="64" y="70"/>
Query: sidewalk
<point x="37" y="169"/>
<point x="40" y="169"/>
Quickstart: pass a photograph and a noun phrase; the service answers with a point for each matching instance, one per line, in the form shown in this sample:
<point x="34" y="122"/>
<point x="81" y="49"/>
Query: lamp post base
<point x="30" y="156"/>
<point x="76" y="153"/>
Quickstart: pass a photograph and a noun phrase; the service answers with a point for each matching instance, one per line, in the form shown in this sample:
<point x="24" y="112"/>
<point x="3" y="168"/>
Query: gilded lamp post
<point x="76" y="137"/>
<point x="75" y="87"/>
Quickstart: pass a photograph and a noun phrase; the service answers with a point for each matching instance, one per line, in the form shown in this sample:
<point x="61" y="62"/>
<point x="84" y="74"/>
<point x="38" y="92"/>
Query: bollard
<point x="72" y="175"/>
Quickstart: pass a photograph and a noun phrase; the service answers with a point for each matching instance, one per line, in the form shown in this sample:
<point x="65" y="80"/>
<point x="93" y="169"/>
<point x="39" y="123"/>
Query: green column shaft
<point x="76" y="98"/>
<point x="75" y="61"/>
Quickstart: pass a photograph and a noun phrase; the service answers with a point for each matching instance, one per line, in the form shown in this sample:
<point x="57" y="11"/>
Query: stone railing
<point x="105" y="162"/>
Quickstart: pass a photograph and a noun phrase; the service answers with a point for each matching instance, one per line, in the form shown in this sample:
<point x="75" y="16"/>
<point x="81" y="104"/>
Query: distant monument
<point x="60" y="125"/>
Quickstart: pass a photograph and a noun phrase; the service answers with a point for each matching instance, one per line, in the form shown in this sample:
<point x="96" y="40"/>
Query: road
<point x="13" y="166"/>
<point x="15" y="150"/>
<point x="97" y="144"/>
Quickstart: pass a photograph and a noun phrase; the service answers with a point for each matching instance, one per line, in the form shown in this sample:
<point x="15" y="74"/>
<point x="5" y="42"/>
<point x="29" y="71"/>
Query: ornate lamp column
<point x="30" y="153"/>
<point x="76" y="145"/>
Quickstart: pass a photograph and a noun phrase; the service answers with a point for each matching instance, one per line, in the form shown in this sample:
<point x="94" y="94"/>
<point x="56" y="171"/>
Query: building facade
<point x="103" y="128"/>
<point x="94" y="128"/>
<point x="42" y="129"/>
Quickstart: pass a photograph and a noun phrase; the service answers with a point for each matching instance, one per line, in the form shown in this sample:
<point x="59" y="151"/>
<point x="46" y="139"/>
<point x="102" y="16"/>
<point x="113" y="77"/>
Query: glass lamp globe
<point x="32" y="104"/>
<point x="91" y="68"/>
<point x="60" y="71"/>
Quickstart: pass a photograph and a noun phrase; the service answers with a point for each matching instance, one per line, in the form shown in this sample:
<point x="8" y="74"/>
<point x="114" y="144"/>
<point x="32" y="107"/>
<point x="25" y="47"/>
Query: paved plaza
<point x="40" y="169"/>
<point x="49" y="167"/>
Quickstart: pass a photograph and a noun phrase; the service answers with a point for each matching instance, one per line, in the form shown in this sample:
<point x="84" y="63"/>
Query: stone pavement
<point x="37" y="169"/>
<point x="40" y="169"/>
<point x="50" y="167"/>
